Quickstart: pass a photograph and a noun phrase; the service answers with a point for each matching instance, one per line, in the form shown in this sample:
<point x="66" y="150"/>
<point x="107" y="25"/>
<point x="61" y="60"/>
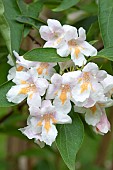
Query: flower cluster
<point x="51" y="95"/>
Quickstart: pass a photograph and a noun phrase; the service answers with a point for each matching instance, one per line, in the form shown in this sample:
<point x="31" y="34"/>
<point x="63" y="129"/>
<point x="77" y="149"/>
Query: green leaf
<point x="36" y="23"/>
<point x="66" y="4"/>
<point x="106" y="53"/>
<point x="69" y="140"/>
<point x="106" y="21"/>
<point x="4" y="68"/>
<point x="11" y="28"/>
<point x="44" y="55"/>
<point x="31" y="10"/>
<point x="3" y="91"/>
<point x="4" y="27"/>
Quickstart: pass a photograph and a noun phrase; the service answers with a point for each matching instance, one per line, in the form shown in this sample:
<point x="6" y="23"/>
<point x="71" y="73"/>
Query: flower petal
<point x="78" y="58"/>
<point x="63" y="50"/>
<point x="49" y="136"/>
<point x="82" y="34"/>
<point x="87" y="49"/>
<point x="62" y="108"/>
<point x="14" y="94"/>
<point x="62" y="118"/>
<point x="45" y="33"/>
<point x="70" y="32"/>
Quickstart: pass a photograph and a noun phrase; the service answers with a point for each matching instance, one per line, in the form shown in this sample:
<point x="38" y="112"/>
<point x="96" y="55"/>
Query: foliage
<point x="17" y="19"/>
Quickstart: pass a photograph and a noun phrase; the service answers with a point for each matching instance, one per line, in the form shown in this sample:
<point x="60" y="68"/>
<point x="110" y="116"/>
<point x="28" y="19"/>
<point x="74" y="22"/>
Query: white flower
<point x="74" y="43"/>
<point x="45" y="70"/>
<point x="42" y="122"/>
<point x="61" y="90"/>
<point x="88" y="89"/>
<point x="27" y="86"/>
<point x="53" y="33"/>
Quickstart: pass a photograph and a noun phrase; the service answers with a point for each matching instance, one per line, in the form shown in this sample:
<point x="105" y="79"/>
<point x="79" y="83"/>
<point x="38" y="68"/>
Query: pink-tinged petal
<point x="89" y="103"/>
<point x="103" y="126"/>
<point x="78" y="58"/>
<point x="63" y="50"/>
<point x="34" y="99"/>
<point x="87" y="49"/>
<point x="93" y="115"/>
<point x="62" y="108"/>
<point x="14" y="94"/>
<point x="32" y="130"/>
<point x="11" y="73"/>
<point x="62" y="118"/>
<point x="56" y="79"/>
<point x="46" y="103"/>
<point x="107" y="83"/>
<point x="50" y="44"/>
<point x="55" y="26"/>
<point x="42" y="85"/>
<point x="70" y="32"/>
<point x="51" y="92"/>
<point x="82" y="34"/>
<point x="45" y="33"/>
<point x="35" y="111"/>
<point x="49" y="136"/>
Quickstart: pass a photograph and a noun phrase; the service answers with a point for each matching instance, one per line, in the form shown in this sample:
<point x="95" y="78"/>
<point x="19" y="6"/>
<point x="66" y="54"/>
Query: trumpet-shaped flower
<point x="42" y="122"/>
<point x="88" y="87"/>
<point x="53" y="33"/>
<point x="61" y="90"/>
<point x="27" y="86"/>
<point x="75" y="44"/>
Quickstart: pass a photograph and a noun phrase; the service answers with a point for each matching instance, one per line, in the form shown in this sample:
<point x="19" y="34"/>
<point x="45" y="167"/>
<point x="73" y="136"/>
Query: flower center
<point x="72" y="43"/>
<point x="41" y="68"/>
<point x="20" y="68"/>
<point x="64" y="89"/>
<point x="86" y="81"/>
<point x="93" y="109"/>
<point x="30" y="88"/>
<point x="47" y="118"/>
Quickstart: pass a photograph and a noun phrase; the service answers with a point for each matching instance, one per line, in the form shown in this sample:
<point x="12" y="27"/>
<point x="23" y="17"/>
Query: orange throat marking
<point x="93" y="109"/>
<point x="42" y="67"/>
<point x="47" y="118"/>
<point x="86" y="82"/>
<point x="64" y="90"/>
